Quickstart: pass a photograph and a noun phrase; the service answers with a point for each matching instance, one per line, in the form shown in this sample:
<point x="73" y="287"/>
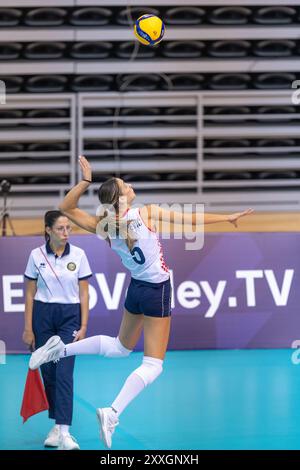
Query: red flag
<point x="34" y="397"/>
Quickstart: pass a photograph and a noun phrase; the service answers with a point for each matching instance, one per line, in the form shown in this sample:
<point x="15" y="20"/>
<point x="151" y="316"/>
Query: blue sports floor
<point x="246" y="399"/>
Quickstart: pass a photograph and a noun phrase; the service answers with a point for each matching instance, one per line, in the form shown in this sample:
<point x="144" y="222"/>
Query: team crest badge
<point x="71" y="266"/>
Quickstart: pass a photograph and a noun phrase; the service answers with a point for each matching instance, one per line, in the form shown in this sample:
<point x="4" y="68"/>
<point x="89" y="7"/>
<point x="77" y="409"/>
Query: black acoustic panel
<point x="275" y="48"/>
<point x="98" y="145"/>
<point x="46" y="84"/>
<point x="215" y="114"/>
<point x="137" y="112"/>
<point x="276" y="142"/>
<point x="228" y="143"/>
<point x="277" y="109"/>
<point x="48" y="147"/>
<point x="138" y="82"/>
<point x="126" y="50"/>
<point x="184" y="16"/>
<point x="99" y="116"/>
<point x="45" y="51"/>
<point x="103" y="50"/>
<point x="271" y="175"/>
<point x="14" y="180"/>
<point x="91" y="112"/>
<point x="126" y="15"/>
<point x="180" y="144"/>
<point x="6" y="147"/>
<point x="216" y="111"/>
<point x="10" y="114"/>
<point x="60" y="179"/>
<point x="230" y="15"/>
<point x="179" y="111"/>
<point x="98" y="113"/>
<point x="101" y="177"/>
<point x="238" y="175"/>
<point x="91" y="16"/>
<point x="234" y="81"/>
<point x="147" y="82"/>
<point x="13" y="84"/>
<point x="137" y="145"/>
<point x="10" y="51"/>
<point x="10" y="17"/>
<point x="50" y="114"/>
<point x="141" y="177"/>
<point x="91" y="50"/>
<point x="229" y="49"/>
<point x="45" y="17"/>
<point x="183" y="49"/>
<point x="86" y="83"/>
<point x="181" y="177"/>
<point x="276" y="15"/>
<point x="186" y="81"/>
<point x="275" y="81"/>
<point x="273" y="110"/>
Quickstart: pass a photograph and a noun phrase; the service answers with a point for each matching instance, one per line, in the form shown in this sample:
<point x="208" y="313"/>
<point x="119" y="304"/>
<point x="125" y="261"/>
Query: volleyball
<point x="149" y="30"/>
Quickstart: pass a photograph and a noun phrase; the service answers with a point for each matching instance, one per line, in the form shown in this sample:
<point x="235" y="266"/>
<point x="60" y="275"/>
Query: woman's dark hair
<point x="109" y="193"/>
<point x="49" y="220"/>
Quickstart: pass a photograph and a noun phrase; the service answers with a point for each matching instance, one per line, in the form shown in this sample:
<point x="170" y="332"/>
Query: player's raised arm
<point x="69" y="204"/>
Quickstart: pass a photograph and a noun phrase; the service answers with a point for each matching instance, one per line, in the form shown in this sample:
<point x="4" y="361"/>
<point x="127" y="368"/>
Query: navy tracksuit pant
<point x="57" y="319"/>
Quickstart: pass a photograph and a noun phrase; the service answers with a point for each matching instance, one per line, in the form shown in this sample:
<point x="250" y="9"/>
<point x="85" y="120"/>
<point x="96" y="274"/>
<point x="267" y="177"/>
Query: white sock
<point x="107" y="346"/>
<point x="85" y="346"/>
<point x="132" y="387"/>
<point x="140" y="378"/>
<point x="64" y="429"/>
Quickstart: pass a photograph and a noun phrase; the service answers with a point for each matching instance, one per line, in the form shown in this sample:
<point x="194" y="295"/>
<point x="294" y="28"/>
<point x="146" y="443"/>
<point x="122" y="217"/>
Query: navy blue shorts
<point x="150" y="299"/>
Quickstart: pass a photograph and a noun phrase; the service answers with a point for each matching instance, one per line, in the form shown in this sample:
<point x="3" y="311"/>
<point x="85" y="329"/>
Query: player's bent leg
<point x="107" y="346"/>
<point x="156" y="336"/>
<point x="140" y="378"/>
<point x="156" y="331"/>
<point x="112" y="347"/>
<point x="130" y="329"/>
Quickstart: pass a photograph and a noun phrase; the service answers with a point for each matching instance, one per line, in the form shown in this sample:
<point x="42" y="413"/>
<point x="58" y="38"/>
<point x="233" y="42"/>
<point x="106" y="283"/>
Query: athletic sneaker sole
<point x="40" y="355"/>
<point x="100" y="416"/>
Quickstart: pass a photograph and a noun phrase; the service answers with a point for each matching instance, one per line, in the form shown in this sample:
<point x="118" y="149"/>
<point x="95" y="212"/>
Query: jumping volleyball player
<point x="132" y="234"/>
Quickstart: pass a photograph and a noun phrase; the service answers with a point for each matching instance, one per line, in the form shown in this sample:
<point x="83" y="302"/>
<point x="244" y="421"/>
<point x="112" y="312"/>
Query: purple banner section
<point x="239" y="291"/>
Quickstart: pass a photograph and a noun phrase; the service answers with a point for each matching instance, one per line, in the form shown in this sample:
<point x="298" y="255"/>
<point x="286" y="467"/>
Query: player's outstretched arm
<point x="154" y="215"/>
<point x="232" y="218"/>
<point x="69" y="204"/>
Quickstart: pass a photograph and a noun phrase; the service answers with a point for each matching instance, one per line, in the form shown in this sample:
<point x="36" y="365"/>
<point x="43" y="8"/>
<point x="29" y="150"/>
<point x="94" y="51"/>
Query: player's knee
<point x="150" y="369"/>
<point x="112" y="347"/>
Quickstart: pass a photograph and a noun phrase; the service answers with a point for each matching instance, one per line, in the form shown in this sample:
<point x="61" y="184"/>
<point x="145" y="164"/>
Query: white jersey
<point x="58" y="276"/>
<point x="146" y="261"/>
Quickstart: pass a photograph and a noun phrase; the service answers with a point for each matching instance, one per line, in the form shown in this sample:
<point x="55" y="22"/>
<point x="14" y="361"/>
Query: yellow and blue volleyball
<point x="149" y="30"/>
